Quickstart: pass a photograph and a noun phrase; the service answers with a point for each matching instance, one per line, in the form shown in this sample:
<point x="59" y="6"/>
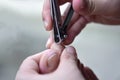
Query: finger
<point x="52" y="45"/>
<point x="75" y="30"/>
<point x="31" y="64"/>
<point x="46" y="14"/>
<point x="68" y="58"/>
<point x="57" y="47"/>
<point x="40" y="63"/>
<point x="63" y="1"/>
<point x="49" y="61"/>
<point x="50" y="40"/>
<point x="111" y="20"/>
<point x="74" y="18"/>
<point x="68" y="63"/>
<point x="78" y="5"/>
<point x="96" y="7"/>
<point x="35" y="65"/>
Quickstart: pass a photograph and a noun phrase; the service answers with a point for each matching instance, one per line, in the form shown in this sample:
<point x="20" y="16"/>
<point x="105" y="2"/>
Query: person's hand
<point x="48" y="65"/>
<point x="99" y="11"/>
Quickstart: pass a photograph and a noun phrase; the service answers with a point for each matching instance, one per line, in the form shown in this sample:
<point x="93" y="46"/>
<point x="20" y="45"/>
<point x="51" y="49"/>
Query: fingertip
<point x="68" y="58"/>
<point x="75" y="30"/>
<point x="70" y="38"/>
<point x="49" y="43"/>
<point x="50" y="40"/>
<point x="58" y="47"/>
<point x="48" y="61"/>
<point x="46" y="25"/>
<point x="47" y="22"/>
<point x="53" y="62"/>
<point x="78" y="5"/>
<point x="69" y="53"/>
<point x="46" y="15"/>
<point x="71" y="50"/>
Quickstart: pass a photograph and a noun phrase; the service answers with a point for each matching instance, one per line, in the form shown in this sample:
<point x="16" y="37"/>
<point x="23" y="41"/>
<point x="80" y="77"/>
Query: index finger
<point x="46" y="13"/>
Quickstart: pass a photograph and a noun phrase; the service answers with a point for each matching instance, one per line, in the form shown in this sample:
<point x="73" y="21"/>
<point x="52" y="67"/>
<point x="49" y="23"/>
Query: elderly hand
<point x="57" y="63"/>
<point x="99" y="11"/>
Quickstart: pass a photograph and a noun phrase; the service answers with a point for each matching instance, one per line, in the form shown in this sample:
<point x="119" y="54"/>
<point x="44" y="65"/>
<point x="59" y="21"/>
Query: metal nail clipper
<point x="59" y="28"/>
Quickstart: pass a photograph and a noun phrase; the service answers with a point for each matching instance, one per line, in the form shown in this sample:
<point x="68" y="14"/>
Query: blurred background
<point x="22" y="34"/>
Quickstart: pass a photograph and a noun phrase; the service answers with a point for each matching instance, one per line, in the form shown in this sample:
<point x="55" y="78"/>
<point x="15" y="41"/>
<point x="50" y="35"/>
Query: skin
<point x="52" y="64"/>
<point x="86" y="11"/>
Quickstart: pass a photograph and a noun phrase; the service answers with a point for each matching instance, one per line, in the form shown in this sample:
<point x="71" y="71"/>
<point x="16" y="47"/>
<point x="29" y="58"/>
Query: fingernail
<point x="53" y="61"/>
<point x="57" y="47"/>
<point x="71" y="50"/>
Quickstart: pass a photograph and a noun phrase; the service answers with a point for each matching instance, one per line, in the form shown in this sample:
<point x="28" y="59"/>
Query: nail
<point x="53" y="61"/>
<point x="71" y="50"/>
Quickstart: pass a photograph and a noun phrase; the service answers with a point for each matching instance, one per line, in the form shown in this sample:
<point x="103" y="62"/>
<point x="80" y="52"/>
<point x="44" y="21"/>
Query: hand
<point x="35" y="67"/>
<point x="99" y="11"/>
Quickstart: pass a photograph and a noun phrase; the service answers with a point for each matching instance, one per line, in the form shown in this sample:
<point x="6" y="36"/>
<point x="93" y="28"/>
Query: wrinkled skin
<point x="56" y="63"/>
<point x="86" y="11"/>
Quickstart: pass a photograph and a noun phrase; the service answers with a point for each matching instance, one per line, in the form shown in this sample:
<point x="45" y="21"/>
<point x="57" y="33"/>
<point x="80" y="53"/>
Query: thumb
<point x="49" y="61"/>
<point x="96" y="7"/>
<point x="68" y="59"/>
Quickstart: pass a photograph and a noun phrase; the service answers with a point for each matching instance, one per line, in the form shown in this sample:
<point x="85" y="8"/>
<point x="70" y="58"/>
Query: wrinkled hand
<point x="99" y="11"/>
<point x="52" y="65"/>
